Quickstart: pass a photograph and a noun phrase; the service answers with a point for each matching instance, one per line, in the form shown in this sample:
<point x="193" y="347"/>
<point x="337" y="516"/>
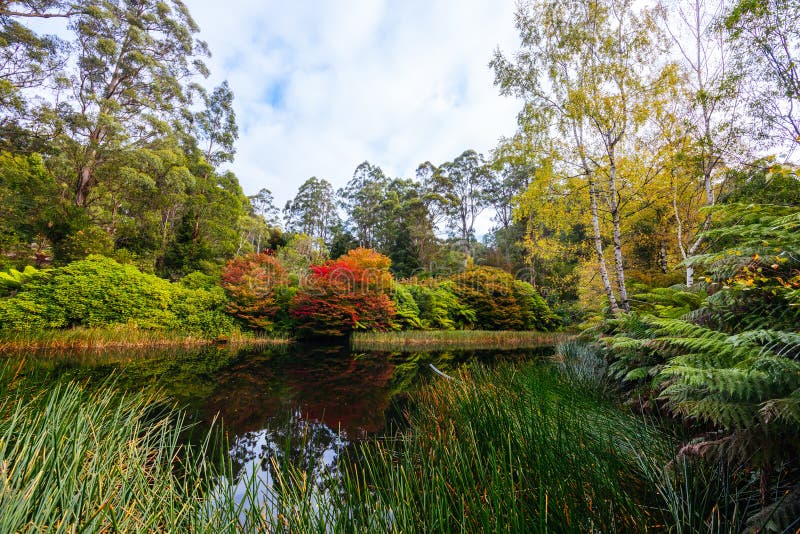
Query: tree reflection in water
<point x="260" y="459"/>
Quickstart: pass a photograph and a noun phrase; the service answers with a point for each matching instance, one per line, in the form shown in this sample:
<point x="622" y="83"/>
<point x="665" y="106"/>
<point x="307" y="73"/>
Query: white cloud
<point x="321" y="87"/>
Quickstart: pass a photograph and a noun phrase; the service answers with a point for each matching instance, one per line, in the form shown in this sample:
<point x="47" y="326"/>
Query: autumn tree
<point x="589" y="79"/>
<point x="252" y="283"/>
<point x="346" y="294"/>
<point x="708" y="119"/>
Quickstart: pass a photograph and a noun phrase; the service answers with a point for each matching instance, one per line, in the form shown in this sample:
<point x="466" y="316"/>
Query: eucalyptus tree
<point x="407" y="230"/>
<point x="362" y="200"/>
<point x="27" y="60"/>
<point x="313" y="210"/>
<point x="133" y="59"/>
<point x="41" y="9"/>
<point x="590" y="77"/>
<point x="263" y="204"/>
<point x="215" y="127"/>
<point x="458" y="188"/>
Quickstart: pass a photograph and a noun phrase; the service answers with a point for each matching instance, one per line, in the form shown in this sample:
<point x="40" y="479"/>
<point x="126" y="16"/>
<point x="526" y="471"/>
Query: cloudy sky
<point x="321" y="86"/>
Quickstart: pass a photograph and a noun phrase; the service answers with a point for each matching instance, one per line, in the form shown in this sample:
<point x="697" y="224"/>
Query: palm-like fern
<point x="729" y="365"/>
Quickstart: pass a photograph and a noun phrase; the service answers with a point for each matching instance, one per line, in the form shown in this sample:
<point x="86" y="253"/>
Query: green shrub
<point x="99" y="292"/>
<point x="440" y="309"/>
<point x="501" y="302"/>
<point x="406" y="309"/>
<point x="535" y="313"/>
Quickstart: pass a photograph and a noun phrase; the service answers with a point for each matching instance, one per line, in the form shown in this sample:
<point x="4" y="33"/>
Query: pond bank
<point x="416" y="340"/>
<point x="122" y="337"/>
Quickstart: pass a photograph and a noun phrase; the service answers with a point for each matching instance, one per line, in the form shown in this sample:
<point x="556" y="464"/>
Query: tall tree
<point x="133" y="57"/>
<point x="263" y="204"/>
<point x="459" y="187"/>
<point x="707" y="129"/>
<point x="313" y="210"/>
<point x="27" y="60"/>
<point x="362" y="199"/>
<point x="590" y="75"/>
<point x="215" y="126"/>
<point x="766" y="36"/>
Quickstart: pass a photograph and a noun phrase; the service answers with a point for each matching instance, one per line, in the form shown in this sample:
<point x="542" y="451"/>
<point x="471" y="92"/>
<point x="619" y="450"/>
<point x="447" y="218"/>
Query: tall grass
<point x="509" y="449"/>
<point x="415" y="340"/>
<point x="121" y="336"/>
<point x="504" y="450"/>
<point x="74" y="462"/>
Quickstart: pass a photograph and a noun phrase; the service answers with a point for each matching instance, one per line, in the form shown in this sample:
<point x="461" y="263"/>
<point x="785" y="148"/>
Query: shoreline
<point x="100" y="339"/>
<point x="455" y="340"/>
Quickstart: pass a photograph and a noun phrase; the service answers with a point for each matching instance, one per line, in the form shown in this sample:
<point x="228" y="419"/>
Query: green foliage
<point x="98" y="291"/>
<point x="668" y="302"/>
<point x="407" y="313"/>
<point x="731" y="361"/>
<point x="313" y="210"/>
<point x="440" y="309"/>
<point x="28" y="208"/>
<point x="501" y="302"/>
<point x="13" y="280"/>
<point x="535" y="313"/>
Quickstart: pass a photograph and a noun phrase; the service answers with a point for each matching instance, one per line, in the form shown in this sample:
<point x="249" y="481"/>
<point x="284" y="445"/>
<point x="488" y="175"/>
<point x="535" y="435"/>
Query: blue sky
<point x="322" y="86"/>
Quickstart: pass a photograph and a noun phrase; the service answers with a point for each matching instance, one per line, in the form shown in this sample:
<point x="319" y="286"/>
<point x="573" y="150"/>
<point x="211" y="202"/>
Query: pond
<point x="302" y="403"/>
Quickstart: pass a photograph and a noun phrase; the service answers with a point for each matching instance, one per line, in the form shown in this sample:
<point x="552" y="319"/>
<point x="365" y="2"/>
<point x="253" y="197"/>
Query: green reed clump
<point x="502" y="450"/>
<point x="414" y="340"/>
<point x="72" y="461"/>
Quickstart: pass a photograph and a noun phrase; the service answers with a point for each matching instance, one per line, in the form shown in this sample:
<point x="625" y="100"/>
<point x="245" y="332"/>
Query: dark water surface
<point x="301" y="403"/>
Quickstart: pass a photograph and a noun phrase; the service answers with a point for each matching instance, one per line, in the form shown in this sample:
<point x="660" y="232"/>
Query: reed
<point x="122" y="336"/>
<point x="509" y="449"/>
<point x="415" y="340"/>
<point x="504" y="450"/>
<point x="72" y="461"/>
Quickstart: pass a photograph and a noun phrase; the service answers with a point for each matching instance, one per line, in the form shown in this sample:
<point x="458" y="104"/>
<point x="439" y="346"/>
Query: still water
<point x="302" y="403"/>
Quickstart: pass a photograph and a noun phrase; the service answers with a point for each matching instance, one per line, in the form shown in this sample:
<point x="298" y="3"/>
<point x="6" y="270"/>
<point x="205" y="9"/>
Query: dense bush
<point x="440" y="309"/>
<point x="252" y="283"/>
<point x="501" y="302"/>
<point x="98" y="292"/>
<point x="406" y="308"/>
<point x="346" y="294"/>
<point x="535" y="313"/>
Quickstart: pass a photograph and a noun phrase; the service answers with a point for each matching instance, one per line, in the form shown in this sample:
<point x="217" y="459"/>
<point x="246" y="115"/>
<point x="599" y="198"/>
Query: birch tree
<point x="589" y="74"/>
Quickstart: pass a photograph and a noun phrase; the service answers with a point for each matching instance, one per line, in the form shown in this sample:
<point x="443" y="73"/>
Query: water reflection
<point x="303" y="405"/>
<point x="311" y="447"/>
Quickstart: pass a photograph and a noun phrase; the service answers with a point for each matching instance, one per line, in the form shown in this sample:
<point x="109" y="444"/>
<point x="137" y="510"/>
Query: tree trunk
<point x="598" y="247"/>
<point x="84" y="184"/>
<point x="618" y="259"/>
